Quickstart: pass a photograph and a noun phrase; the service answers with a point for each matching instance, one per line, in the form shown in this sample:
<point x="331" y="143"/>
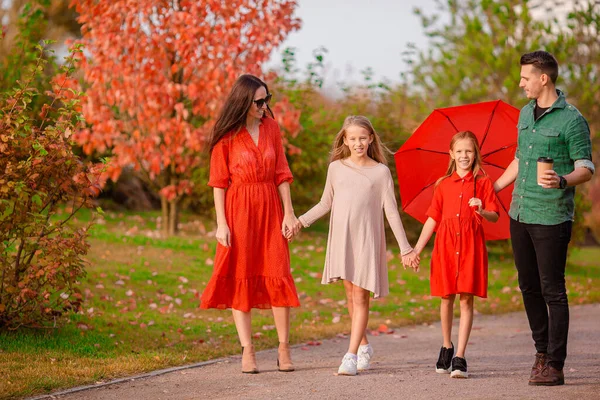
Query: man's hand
<point x="550" y="180"/>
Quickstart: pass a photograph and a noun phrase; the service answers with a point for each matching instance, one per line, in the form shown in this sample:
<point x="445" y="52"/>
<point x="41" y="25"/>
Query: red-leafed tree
<point x="157" y="72"/>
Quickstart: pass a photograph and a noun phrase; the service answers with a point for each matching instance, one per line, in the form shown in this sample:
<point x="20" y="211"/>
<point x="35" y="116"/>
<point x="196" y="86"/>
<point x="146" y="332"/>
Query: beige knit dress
<point x="356" y="251"/>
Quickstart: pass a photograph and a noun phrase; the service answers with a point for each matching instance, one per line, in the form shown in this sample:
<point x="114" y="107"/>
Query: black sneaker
<point x="444" y="362"/>
<point x="459" y="368"/>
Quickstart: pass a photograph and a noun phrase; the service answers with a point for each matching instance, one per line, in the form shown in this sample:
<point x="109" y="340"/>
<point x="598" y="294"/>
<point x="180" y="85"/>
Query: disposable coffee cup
<point x="543" y="164"/>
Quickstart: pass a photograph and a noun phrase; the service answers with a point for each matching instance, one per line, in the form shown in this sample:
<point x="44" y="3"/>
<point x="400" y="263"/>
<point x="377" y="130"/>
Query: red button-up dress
<point x="254" y="272"/>
<point x="459" y="262"/>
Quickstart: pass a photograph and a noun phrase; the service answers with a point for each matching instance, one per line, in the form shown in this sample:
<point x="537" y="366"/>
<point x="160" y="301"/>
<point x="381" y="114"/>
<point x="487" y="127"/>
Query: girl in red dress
<point x="251" y="180"/>
<point x="459" y="263"/>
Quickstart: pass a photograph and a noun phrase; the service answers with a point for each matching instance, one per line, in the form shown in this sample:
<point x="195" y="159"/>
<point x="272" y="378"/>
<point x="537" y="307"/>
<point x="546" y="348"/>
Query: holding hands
<point x="290" y="226"/>
<point x="412" y="260"/>
<point x="299" y="225"/>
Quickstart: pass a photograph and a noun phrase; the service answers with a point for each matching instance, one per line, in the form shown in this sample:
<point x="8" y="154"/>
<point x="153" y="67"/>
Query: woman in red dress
<point x="251" y="179"/>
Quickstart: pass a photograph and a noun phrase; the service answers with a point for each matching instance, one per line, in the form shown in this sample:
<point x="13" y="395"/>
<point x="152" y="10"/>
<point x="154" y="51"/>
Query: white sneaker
<point x="365" y="352"/>
<point x="348" y="366"/>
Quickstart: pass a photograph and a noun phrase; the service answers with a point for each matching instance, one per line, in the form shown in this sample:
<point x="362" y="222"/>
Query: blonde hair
<point x="476" y="167"/>
<point x="377" y="150"/>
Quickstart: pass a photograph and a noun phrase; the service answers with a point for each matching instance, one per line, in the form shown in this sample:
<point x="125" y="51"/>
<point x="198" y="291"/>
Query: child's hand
<point x="475" y="202"/>
<point x="412" y="260"/>
<point x="295" y="230"/>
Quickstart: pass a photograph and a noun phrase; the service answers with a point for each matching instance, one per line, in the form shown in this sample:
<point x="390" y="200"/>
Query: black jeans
<point x="540" y="253"/>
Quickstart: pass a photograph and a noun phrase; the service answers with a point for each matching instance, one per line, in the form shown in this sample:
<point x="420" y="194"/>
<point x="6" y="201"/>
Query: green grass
<point x="141" y="305"/>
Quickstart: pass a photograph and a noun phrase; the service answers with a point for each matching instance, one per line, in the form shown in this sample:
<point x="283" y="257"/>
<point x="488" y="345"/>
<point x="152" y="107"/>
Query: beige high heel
<point x="249" y="360"/>
<point x="284" y="359"/>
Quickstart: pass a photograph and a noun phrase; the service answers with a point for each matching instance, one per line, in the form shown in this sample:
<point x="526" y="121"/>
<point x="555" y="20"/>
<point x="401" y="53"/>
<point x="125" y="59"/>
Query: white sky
<point x="357" y="34"/>
<point x="365" y="33"/>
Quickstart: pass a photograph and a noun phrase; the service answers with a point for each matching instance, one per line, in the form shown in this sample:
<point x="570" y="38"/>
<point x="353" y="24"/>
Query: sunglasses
<point x="261" y="102"/>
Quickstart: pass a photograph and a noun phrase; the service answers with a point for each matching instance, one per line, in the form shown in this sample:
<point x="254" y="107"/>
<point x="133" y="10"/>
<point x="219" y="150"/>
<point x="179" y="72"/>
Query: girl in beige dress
<point x="359" y="189"/>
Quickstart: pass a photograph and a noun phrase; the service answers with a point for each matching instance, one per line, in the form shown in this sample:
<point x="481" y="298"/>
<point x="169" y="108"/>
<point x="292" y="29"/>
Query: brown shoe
<point x="538" y="365"/>
<point x="549" y="376"/>
<point x="249" y="360"/>
<point x="284" y="359"/>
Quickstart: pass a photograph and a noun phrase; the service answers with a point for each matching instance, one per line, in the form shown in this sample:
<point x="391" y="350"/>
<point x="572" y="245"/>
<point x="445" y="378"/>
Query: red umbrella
<point x="423" y="159"/>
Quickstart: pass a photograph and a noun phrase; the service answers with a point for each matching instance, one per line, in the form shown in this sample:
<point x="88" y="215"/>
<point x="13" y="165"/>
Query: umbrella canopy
<point x="424" y="158"/>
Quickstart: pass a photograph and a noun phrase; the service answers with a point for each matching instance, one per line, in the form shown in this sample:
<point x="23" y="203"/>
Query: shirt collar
<point x="468" y="177"/>
<point x="561" y="102"/>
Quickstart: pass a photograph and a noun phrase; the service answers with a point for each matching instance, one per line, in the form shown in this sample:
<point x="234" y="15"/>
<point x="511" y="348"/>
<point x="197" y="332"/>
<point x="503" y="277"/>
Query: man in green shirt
<point x="542" y="209"/>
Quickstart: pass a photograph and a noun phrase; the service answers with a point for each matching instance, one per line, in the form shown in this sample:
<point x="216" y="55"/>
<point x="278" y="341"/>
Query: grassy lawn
<point x="141" y="306"/>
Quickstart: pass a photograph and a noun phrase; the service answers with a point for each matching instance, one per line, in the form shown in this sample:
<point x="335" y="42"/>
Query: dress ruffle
<point x="244" y="294"/>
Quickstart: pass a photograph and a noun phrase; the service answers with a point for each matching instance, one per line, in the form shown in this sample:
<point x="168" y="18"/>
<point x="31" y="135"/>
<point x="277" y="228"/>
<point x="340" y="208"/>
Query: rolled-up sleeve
<point x="579" y="143"/>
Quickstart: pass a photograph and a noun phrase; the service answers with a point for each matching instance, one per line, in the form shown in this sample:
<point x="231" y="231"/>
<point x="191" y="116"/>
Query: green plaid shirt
<point x="563" y="134"/>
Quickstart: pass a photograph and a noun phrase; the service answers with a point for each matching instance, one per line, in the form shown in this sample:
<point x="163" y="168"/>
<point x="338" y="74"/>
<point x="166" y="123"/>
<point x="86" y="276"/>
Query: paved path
<point x="500" y="356"/>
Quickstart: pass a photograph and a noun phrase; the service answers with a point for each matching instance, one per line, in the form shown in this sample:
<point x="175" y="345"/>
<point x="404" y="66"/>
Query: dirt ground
<point x="500" y="355"/>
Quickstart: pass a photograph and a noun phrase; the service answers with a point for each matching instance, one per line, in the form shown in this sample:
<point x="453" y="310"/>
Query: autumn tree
<point x="158" y="72"/>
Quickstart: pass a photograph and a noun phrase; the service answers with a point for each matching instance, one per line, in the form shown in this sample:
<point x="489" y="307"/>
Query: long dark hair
<point x="233" y="114"/>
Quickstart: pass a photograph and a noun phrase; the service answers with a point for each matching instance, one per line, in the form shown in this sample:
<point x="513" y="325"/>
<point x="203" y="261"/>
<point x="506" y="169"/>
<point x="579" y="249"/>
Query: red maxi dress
<point x="254" y="272"/>
<point x="459" y="262"/>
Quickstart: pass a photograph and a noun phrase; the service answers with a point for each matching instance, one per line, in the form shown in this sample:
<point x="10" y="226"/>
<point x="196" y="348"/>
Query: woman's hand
<point x="475" y="202"/>
<point x="223" y="235"/>
<point x="289" y="226"/>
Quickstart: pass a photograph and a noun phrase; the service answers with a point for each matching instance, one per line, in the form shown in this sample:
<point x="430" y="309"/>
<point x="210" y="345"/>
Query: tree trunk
<point x="164" y="205"/>
<point x="170" y="216"/>
<point x="173" y="217"/>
